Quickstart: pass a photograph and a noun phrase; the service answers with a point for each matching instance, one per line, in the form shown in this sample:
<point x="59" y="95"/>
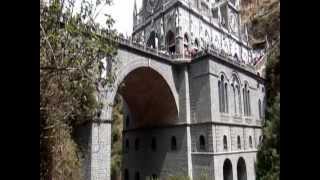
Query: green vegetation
<point x="116" y="147"/>
<point x="71" y="49"/>
<point x="266" y="21"/>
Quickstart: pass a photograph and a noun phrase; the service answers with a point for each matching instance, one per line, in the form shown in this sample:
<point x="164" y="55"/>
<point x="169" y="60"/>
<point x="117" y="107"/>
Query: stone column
<point x="179" y="45"/>
<point x="100" y="150"/>
<point x="100" y="141"/>
<point x="188" y="120"/>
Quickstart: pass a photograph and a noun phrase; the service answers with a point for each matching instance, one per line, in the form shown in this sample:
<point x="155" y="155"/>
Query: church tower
<point x="187" y="26"/>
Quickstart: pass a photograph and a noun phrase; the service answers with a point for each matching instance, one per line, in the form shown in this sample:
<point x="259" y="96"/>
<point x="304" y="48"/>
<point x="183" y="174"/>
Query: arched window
<point x="260" y="113"/>
<point x="173" y="143"/>
<point x="223" y="95"/>
<point x="202" y="143"/>
<point x="227" y="170"/>
<point x="126" y="174"/>
<point x="244" y="101"/>
<point x="246" y="98"/>
<point x="220" y="96"/>
<point x="127" y="145"/>
<point x="239" y="142"/>
<point x="225" y="143"/>
<point x="137" y="144"/>
<point x="137" y="176"/>
<point x="234" y="98"/>
<point x="154" y="144"/>
<point x="241" y="169"/>
<point x="250" y="141"/>
<point x="237" y="96"/>
<point x="249" y="105"/>
<point x="239" y="99"/>
<point x="226" y="98"/>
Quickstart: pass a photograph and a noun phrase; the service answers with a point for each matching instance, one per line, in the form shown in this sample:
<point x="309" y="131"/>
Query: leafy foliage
<point x="71" y="48"/>
<point x="116" y="146"/>
<point x="268" y="166"/>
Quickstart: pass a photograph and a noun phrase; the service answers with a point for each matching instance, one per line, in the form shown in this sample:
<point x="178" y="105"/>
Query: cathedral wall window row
<point x="153" y="145"/>
<point x="240" y="98"/>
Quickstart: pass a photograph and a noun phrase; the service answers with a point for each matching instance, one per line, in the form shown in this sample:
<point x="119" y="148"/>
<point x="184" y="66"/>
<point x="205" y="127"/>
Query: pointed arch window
<point x="223" y="95"/>
<point x="244" y="101"/>
<point x="234" y="98"/>
<point x="226" y="98"/>
<point x="246" y="98"/>
<point x="220" y="96"/>
<point x="237" y="95"/>
<point x="249" y="105"/>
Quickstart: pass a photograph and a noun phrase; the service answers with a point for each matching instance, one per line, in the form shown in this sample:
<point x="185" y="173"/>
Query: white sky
<point x="121" y="11"/>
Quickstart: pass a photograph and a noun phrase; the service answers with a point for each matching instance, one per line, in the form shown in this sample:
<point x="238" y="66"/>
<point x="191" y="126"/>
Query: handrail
<point x="182" y="57"/>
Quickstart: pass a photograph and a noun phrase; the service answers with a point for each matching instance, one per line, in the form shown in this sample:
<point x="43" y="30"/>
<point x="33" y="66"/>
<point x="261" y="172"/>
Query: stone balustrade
<point x="176" y="58"/>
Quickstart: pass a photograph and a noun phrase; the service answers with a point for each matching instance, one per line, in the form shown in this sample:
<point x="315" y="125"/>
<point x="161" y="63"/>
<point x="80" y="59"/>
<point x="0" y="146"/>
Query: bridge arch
<point x="162" y="75"/>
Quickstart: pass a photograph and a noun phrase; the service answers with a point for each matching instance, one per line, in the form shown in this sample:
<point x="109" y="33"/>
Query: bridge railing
<point x="183" y="57"/>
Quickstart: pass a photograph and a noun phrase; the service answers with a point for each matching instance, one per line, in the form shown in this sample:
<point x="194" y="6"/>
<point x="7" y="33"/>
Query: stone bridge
<point x="164" y="91"/>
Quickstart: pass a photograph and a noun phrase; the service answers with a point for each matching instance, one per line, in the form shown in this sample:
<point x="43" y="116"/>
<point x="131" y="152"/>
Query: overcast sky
<point x="121" y="11"/>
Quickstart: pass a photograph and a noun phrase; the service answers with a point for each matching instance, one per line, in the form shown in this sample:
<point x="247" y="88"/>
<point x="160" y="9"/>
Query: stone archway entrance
<point x="241" y="169"/>
<point x="227" y="170"/>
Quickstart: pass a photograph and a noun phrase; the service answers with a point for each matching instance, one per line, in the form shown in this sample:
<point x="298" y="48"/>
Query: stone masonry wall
<point x="163" y="161"/>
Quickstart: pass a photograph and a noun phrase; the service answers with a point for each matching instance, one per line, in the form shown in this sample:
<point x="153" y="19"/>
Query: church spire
<point x="135" y="13"/>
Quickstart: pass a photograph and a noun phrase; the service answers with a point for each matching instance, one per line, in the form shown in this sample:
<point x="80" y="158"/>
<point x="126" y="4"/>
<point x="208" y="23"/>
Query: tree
<point x="268" y="157"/>
<point x="71" y="48"/>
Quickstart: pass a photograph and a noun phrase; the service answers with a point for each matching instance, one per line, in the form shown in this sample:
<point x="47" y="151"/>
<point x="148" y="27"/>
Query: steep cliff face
<point x="262" y="18"/>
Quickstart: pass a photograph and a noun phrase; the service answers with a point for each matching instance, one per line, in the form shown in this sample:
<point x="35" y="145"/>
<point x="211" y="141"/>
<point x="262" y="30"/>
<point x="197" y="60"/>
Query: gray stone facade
<point x="167" y="97"/>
